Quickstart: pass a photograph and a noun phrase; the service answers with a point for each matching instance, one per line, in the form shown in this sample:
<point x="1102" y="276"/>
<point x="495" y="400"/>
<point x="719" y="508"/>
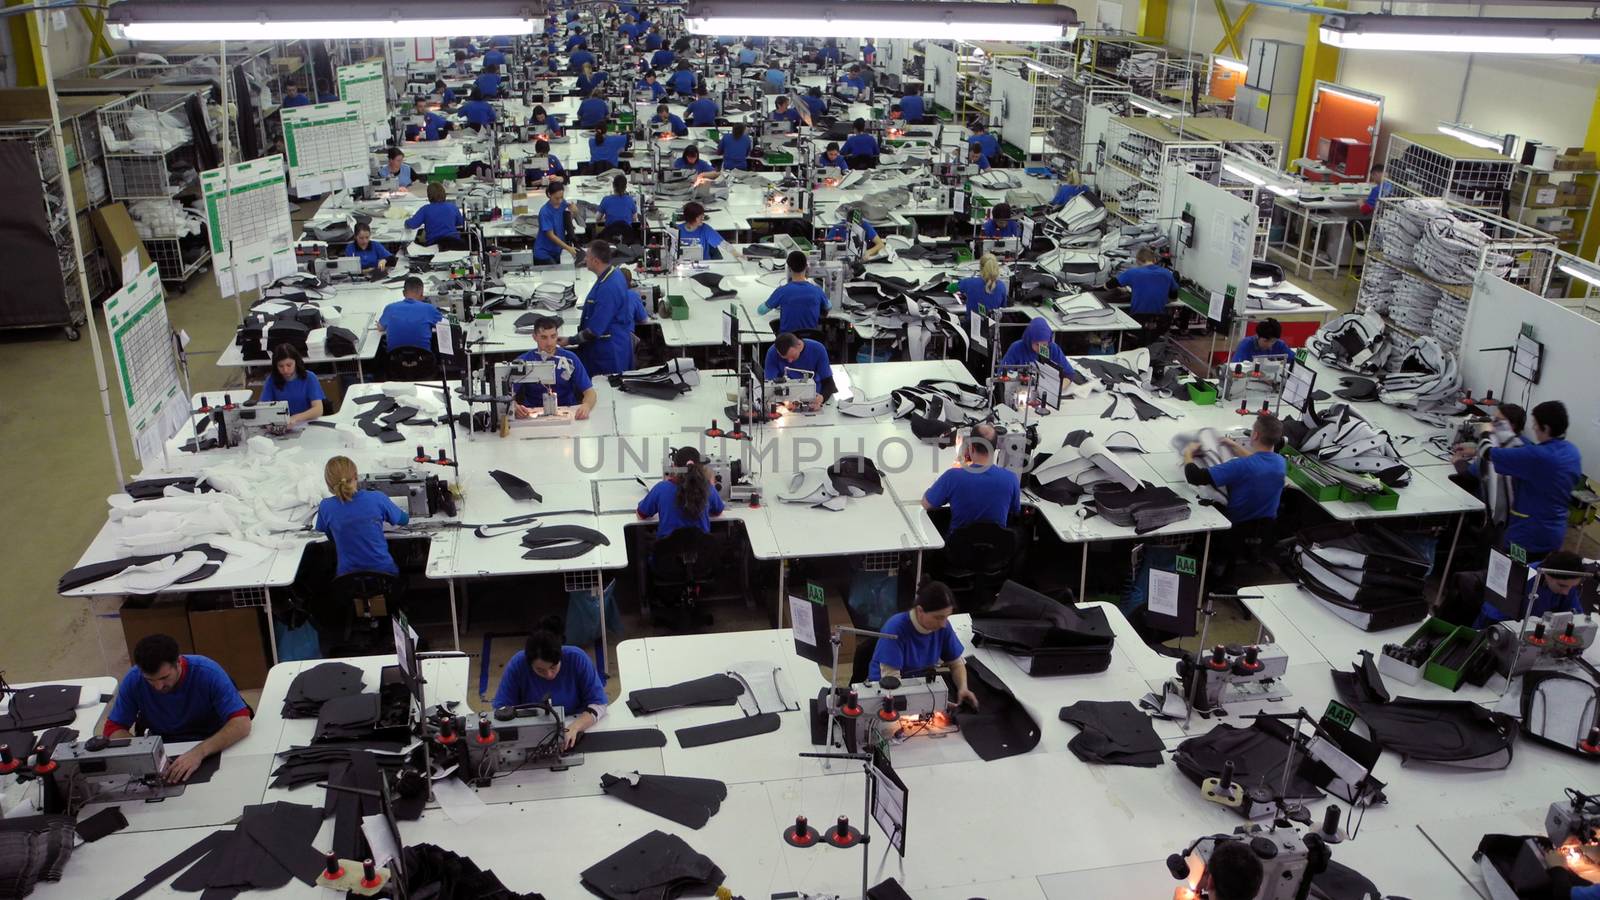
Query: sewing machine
<point x="1265" y="373"/>
<point x="420" y="495"/>
<point x="508" y="376"/>
<point x="795" y="388"/>
<point x="1289" y="855"/>
<point x="892" y="710"/>
<point x="1553" y="637"/>
<point x="515" y="737"/>
<point x="237" y="423"/>
<point x="100" y="770"/>
<point x="727" y="475"/>
<point x="1233" y="674"/>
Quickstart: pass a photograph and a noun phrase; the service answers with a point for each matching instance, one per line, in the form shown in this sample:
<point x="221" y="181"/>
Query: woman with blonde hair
<point x="354" y="519"/>
<point x="984" y="292"/>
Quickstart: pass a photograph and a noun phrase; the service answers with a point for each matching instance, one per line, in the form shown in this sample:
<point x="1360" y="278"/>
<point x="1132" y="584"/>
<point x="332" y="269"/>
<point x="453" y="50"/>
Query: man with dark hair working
<point x="799" y="301"/>
<point x="180" y="697"/>
<point x="790" y="351"/>
<point x="573" y="386"/>
<point x="1267" y="341"/>
<point x="1232" y="873"/>
<point x="978" y="490"/>
<point x="1254" y="478"/>
<point x="1543" y="475"/>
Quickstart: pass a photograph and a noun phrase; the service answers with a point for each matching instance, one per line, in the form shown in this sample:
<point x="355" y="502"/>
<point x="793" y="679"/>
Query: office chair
<point x="977" y="561"/>
<point x="680" y="566"/>
<point x="413" y="364"/>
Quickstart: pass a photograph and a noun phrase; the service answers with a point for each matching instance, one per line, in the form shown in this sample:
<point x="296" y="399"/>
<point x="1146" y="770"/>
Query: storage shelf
<point x="1459" y="291"/>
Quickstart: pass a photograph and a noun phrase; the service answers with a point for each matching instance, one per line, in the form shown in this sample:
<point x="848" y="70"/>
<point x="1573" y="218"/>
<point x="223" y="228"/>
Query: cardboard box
<point x="1544" y="195"/>
<point x="114" y="228"/>
<point x="1575" y="158"/>
<point x="233" y="638"/>
<point x="143" y="616"/>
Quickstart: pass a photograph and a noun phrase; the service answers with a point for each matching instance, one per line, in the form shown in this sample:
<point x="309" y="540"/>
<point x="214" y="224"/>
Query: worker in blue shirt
<point x="554" y="226"/>
<point x="664" y="122"/>
<point x="605" y="151"/>
<point x="869" y="53"/>
<point x="178" y="697"/>
<point x="747" y="56"/>
<point x="409" y="321"/>
<point x="662" y="59"/>
<point x="605" y="327"/>
<point x="783" y="112"/>
<point x="982" y="138"/>
<point x="977" y="491"/>
<point x="1037" y="341"/>
<point x="735" y="148"/>
<point x="775" y="78"/>
<point x="1000" y="225"/>
<point x="1380" y="189"/>
<point x="293" y="97"/>
<point x="828" y="52"/>
<point x="494" y="57"/>
<point x="618" y="210"/>
<point x="589" y="80"/>
<point x="832" y="158"/>
<point x="685" y="498"/>
<point x="291" y="383"/>
<point x="551" y="168"/>
<point x="488" y="84"/>
<point x="924" y="640"/>
<point x="1065" y="193"/>
<point x="1150" y="285"/>
<point x="593" y="110"/>
<point x="547" y="63"/>
<point x="790" y="352"/>
<point x="854" y="79"/>
<point x="984" y="292"/>
<point x="397" y="168"/>
<point x="1267" y="341"/>
<point x="815" y="103"/>
<point x="354" y="519"/>
<point x="913" y="108"/>
<point x="576" y="39"/>
<point x="695" y="229"/>
<point x="691" y="160"/>
<point x="861" y="148"/>
<point x="580" y="58"/>
<point x="800" y="302"/>
<point x="702" y="112"/>
<point x="477" y="111"/>
<point x="434" y="126"/>
<point x="1556" y="593"/>
<point x="372" y="254"/>
<point x="461" y="66"/>
<point x="543" y="121"/>
<point x="840" y="231"/>
<point x="502" y="41"/>
<point x="1253" y="478"/>
<point x="1543" y="475"/>
<point x="976" y="159"/>
<point x="648" y="83"/>
<point x="683" y="81"/>
<point x="447" y="97"/>
<point x="546" y="669"/>
<point x="573" y="387"/>
<point x="441" y="221"/>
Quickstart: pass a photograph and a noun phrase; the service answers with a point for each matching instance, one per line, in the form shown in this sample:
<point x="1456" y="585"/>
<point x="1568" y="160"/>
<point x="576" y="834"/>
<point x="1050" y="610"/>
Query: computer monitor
<point x="980" y="331"/>
<point x="1049" y="382"/>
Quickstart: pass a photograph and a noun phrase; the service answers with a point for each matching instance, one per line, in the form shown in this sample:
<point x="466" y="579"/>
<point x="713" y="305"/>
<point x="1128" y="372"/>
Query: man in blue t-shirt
<point x="979" y="490"/>
<point x="1555" y="593"/>
<point x="912" y="109"/>
<point x="1267" y="341"/>
<point x="409" y="321"/>
<point x="1542" y="475"/>
<point x="181" y="698"/>
<point x="800" y="302"/>
<point x="1253" y="478"/>
<point x="573" y="386"/>
<point x="1380" y="189"/>
<point x="983" y="140"/>
<point x="1150" y="285"/>
<point x="923" y="639"/>
<point x="792" y="352"/>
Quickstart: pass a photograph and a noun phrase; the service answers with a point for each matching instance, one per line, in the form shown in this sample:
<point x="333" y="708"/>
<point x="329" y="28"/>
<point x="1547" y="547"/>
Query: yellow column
<point x="1152" y="19"/>
<point x="1591" y="141"/>
<point x="1321" y="62"/>
<point x="25" y="44"/>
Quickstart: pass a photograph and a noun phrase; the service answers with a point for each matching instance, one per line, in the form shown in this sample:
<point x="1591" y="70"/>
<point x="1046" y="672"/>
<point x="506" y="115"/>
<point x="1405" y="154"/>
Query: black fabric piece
<point x="855" y="471"/>
<point x="89" y="574"/>
<point x="712" y="690"/>
<point x="318" y="684"/>
<point x="44" y="706"/>
<point x="687" y="801"/>
<point x="33" y="849"/>
<point x="515" y="488"/>
<point x="156" y="488"/>
<point x="1001" y="727"/>
<point x="659" y="390"/>
<point x="654" y="867"/>
<point x="1386" y="586"/>
<point x="434" y="873"/>
<point x="207" y="768"/>
<point x="1354" y="387"/>
<point x="1145" y="410"/>
<point x="621" y="739"/>
<point x="1449" y="732"/>
<point x="1114" y="733"/>
<point x="107" y="821"/>
<point x="888" y="889"/>
<point x="185" y="858"/>
<point x="1057" y="639"/>
<point x="270" y="847"/>
<point x="1258" y="757"/>
<point x="399" y="416"/>
<point x="290" y="848"/>
<point x="1340" y="882"/>
<point x="713" y="281"/>
<point x="1144" y="510"/>
<point x="561" y="541"/>
<point x="731" y="730"/>
<point x="390" y="437"/>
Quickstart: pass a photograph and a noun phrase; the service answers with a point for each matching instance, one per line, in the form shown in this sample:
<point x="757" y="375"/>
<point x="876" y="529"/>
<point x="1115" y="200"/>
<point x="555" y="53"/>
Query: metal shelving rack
<point x="136" y="173"/>
<point x="1524" y="208"/>
<point x="1071" y="98"/>
<point x="1437" y="165"/>
<point x="1138" y="150"/>
<point x="58" y="218"/>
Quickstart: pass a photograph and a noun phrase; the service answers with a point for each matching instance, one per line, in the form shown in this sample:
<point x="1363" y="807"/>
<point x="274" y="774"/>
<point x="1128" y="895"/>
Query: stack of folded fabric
<point x="1355" y="342"/>
<point x="1412" y="303"/>
<point x="1378" y="284"/>
<point x="663" y="382"/>
<point x="1450" y="321"/>
<point x="1340" y="442"/>
<point x="1114" y="733"/>
<point x="33" y="849"/>
<point x="1370" y="578"/>
<point x="440" y="874"/>
<point x="1425" y="379"/>
<point x="317" y="685"/>
<point x="1449" y="250"/>
<point x="1401" y="224"/>
<point x="658" y="865"/>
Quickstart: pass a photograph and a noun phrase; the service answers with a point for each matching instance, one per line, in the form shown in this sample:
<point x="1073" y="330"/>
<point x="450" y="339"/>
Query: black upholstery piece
<point x="1145" y="510"/>
<point x="107" y="821"/>
<point x="1258" y="756"/>
<point x="515" y="488"/>
<point x="1001" y="727"/>
<point x="33" y="849"/>
<point x="44" y="706"/>
<point x="163" y="873"/>
<point x="731" y="730"/>
<point x="654" y="867"/>
<point x="713" y="281"/>
<point x="1447" y="732"/>
<point x="1558" y="709"/>
<point x="712" y="690"/>
<point x="1115" y="733"/>
<point x="1060" y="639"/>
<point x="687" y="801"/>
<point x="318" y="684"/>
<point x="620" y="739"/>
<point x="888" y="889"/>
<point x="561" y="541"/>
<point x="856" y="471"/>
<point x="434" y="873"/>
<point x="89" y="574"/>
<point x="271" y="846"/>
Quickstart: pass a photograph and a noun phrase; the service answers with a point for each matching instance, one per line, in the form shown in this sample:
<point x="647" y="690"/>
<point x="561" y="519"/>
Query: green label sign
<point x="1518" y="554"/>
<point x="1339" y="714"/>
<point x="814" y="593"/>
<point x="1187" y="565"/>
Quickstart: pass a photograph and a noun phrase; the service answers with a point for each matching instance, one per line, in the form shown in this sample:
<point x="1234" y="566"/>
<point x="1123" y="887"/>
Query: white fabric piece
<point x="162" y="573"/>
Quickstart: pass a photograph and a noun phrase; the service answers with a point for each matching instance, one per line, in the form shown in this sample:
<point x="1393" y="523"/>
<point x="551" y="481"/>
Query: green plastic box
<point x="1322" y="493"/>
<point x="1202" y="396"/>
<point x="678" y="306"/>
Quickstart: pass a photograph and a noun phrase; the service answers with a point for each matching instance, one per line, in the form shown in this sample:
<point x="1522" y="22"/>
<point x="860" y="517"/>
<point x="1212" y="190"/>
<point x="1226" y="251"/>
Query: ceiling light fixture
<point x="1495" y="142"/>
<point x="1228" y="63"/>
<point x="216" y="20"/>
<point x="881" y="19"/>
<point x="1462" y="34"/>
<point x="1581" y="274"/>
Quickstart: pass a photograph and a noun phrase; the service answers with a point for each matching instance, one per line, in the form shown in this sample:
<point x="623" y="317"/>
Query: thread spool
<point x="801" y="834"/>
<point x="332" y="869"/>
<point x="485" y="730"/>
<point x="369" y="875"/>
<point x="842" y="835"/>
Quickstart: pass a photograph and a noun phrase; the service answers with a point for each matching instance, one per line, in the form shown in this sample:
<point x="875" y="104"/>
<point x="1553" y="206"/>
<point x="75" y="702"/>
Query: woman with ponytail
<point x="686" y="498"/>
<point x="354" y="520"/>
<point x="984" y="292"/>
<point x="925" y="641"/>
<point x="547" y="669"/>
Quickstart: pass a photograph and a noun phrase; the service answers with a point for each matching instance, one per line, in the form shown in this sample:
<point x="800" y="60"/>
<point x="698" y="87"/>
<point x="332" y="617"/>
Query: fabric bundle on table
<point x="1083" y="309"/>
<point x="1113" y="733"/>
<point x="654" y="867"/>
<point x="687" y="801"/>
<point x="1355" y="342"/>
<point x="712" y="690"/>
<point x="33" y="849"/>
<point x="1450" y="250"/>
<point x="1412" y="302"/>
<point x="317" y="685"/>
<point x="1081" y="465"/>
<point x="663" y="382"/>
<point x="1369" y="577"/>
<point x="1425" y="379"/>
<point x="1341" y="443"/>
<point x="439" y="874"/>
<point x="1046" y="637"/>
<point x="1457" y="733"/>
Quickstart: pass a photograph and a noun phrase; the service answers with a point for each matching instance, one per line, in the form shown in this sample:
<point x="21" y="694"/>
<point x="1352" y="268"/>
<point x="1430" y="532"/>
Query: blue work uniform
<point x="1151" y="286"/>
<point x="488" y="84"/>
<point x="700" y="165"/>
<point x="409" y="323"/>
<point x="1381" y="189"/>
<point x="707" y="237"/>
<point x="299" y="392"/>
<point x="987" y="143"/>
<point x="296" y="100"/>
<point x="702" y="112"/>
<point x="982" y="163"/>
<point x="1250" y="348"/>
<point x="913" y="651"/>
<point x="619" y="208"/>
<point x="1254" y="483"/>
<point x="1021" y="352"/>
<point x="841" y="231"/>
<point x="838" y="162"/>
<point x="1543" y="478"/>
<point x="575" y="688"/>
<point x="578" y="58"/>
<point x="448" y="97"/>
<point x="592" y="112"/>
<point x="202" y="701"/>
<point x="552" y="166"/>
<point x="551" y="218"/>
<point x="828" y="54"/>
<point x="817" y="105"/>
<point x="853" y="81"/>
<point x="356" y="526"/>
<point x="432" y="129"/>
<point x="572" y="380"/>
<point x="662" y="502"/>
<point x="1065" y="193"/>
<point x="800" y="305"/>
<point x="671" y="123"/>
<point x="608" y="149"/>
<point x="370" y="257"/>
<point x="776" y="78"/>
<point x="978" y="494"/>
<point x="747" y="57"/>
<point x="576" y="40"/>
<point x="912" y="108"/>
<point x="653" y="41"/>
<point x="494" y="58"/>
<point x="735" y="151"/>
<point x="439" y="221"/>
<point x="478" y="113"/>
<point x="683" y="82"/>
<point x="813" y="358"/>
<point x="662" y="59"/>
<point x="1545" y="601"/>
<point x="587" y="83"/>
<point x="657" y="89"/>
<point x="979" y="297"/>
<point x="992" y="229"/>
<point x="869" y="53"/>
<point x="790" y="115"/>
<point x="608" y="316"/>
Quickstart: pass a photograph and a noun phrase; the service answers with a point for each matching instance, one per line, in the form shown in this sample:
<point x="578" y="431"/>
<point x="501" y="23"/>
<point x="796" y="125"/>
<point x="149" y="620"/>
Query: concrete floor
<point x="52" y="428"/>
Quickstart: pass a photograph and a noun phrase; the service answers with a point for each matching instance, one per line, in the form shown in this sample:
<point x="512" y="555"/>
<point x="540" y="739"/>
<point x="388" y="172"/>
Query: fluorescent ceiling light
<point x="1581" y="274"/>
<point x="1260" y="176"/>
<point x="1340" y="92"/>
<point x="1227" y="63"/>
<point x="881" y="19"/>
<point x="1251" y="177"/>
<point x="1461" y="34"/>
<point x="1473" y="136"/>
<point x="218" y="20"/>
<point x="1151" y="108"/>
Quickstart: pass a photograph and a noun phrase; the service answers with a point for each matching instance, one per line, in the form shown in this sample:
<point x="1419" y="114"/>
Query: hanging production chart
<point x="362" y="86"/>
<point x="326" y="146"/>
<point x="247" y="218"/>
<point x="147" y="363"/>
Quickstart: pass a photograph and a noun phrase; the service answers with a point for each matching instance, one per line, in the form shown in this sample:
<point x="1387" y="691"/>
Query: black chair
<point x="680" y="566"/>
<point x="367" y="597"/>
<point x="413" y="364"/>
<point x="861" y="659"/>
<point x="977" y="561"/>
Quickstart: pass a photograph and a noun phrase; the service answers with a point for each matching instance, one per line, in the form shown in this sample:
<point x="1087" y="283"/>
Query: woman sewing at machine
<point x="546" y="668"/>
<point x="695" y="228"/>
<point x="354" y="519"/>
<point x="291" y="383"/>
<point x="685" y="498"/>
<point x="373" y="255"/>
<point x="924" y="639"/>
<point x="440" y="219"/>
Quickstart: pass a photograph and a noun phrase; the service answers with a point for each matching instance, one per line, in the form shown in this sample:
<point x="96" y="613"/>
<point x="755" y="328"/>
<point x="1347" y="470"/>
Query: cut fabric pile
<point x="1424" y="380"/>
<point x="1355" y="342"/>
<point x="33" y="849"/>
<point x="687" y="801"/>
<point x="1338" y="443"/>
<point x="439" y="874"/>
<point x="1456" y="733"/>
<point x="654" y="867"/>
<point x="1046" y="637"/>
<point x="663" y="382"/>
<point x="1113" y="733"/>
<point x="317" y="685"/>
<point x="1369" y="577"/>
<point x="1081" y="465"/>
